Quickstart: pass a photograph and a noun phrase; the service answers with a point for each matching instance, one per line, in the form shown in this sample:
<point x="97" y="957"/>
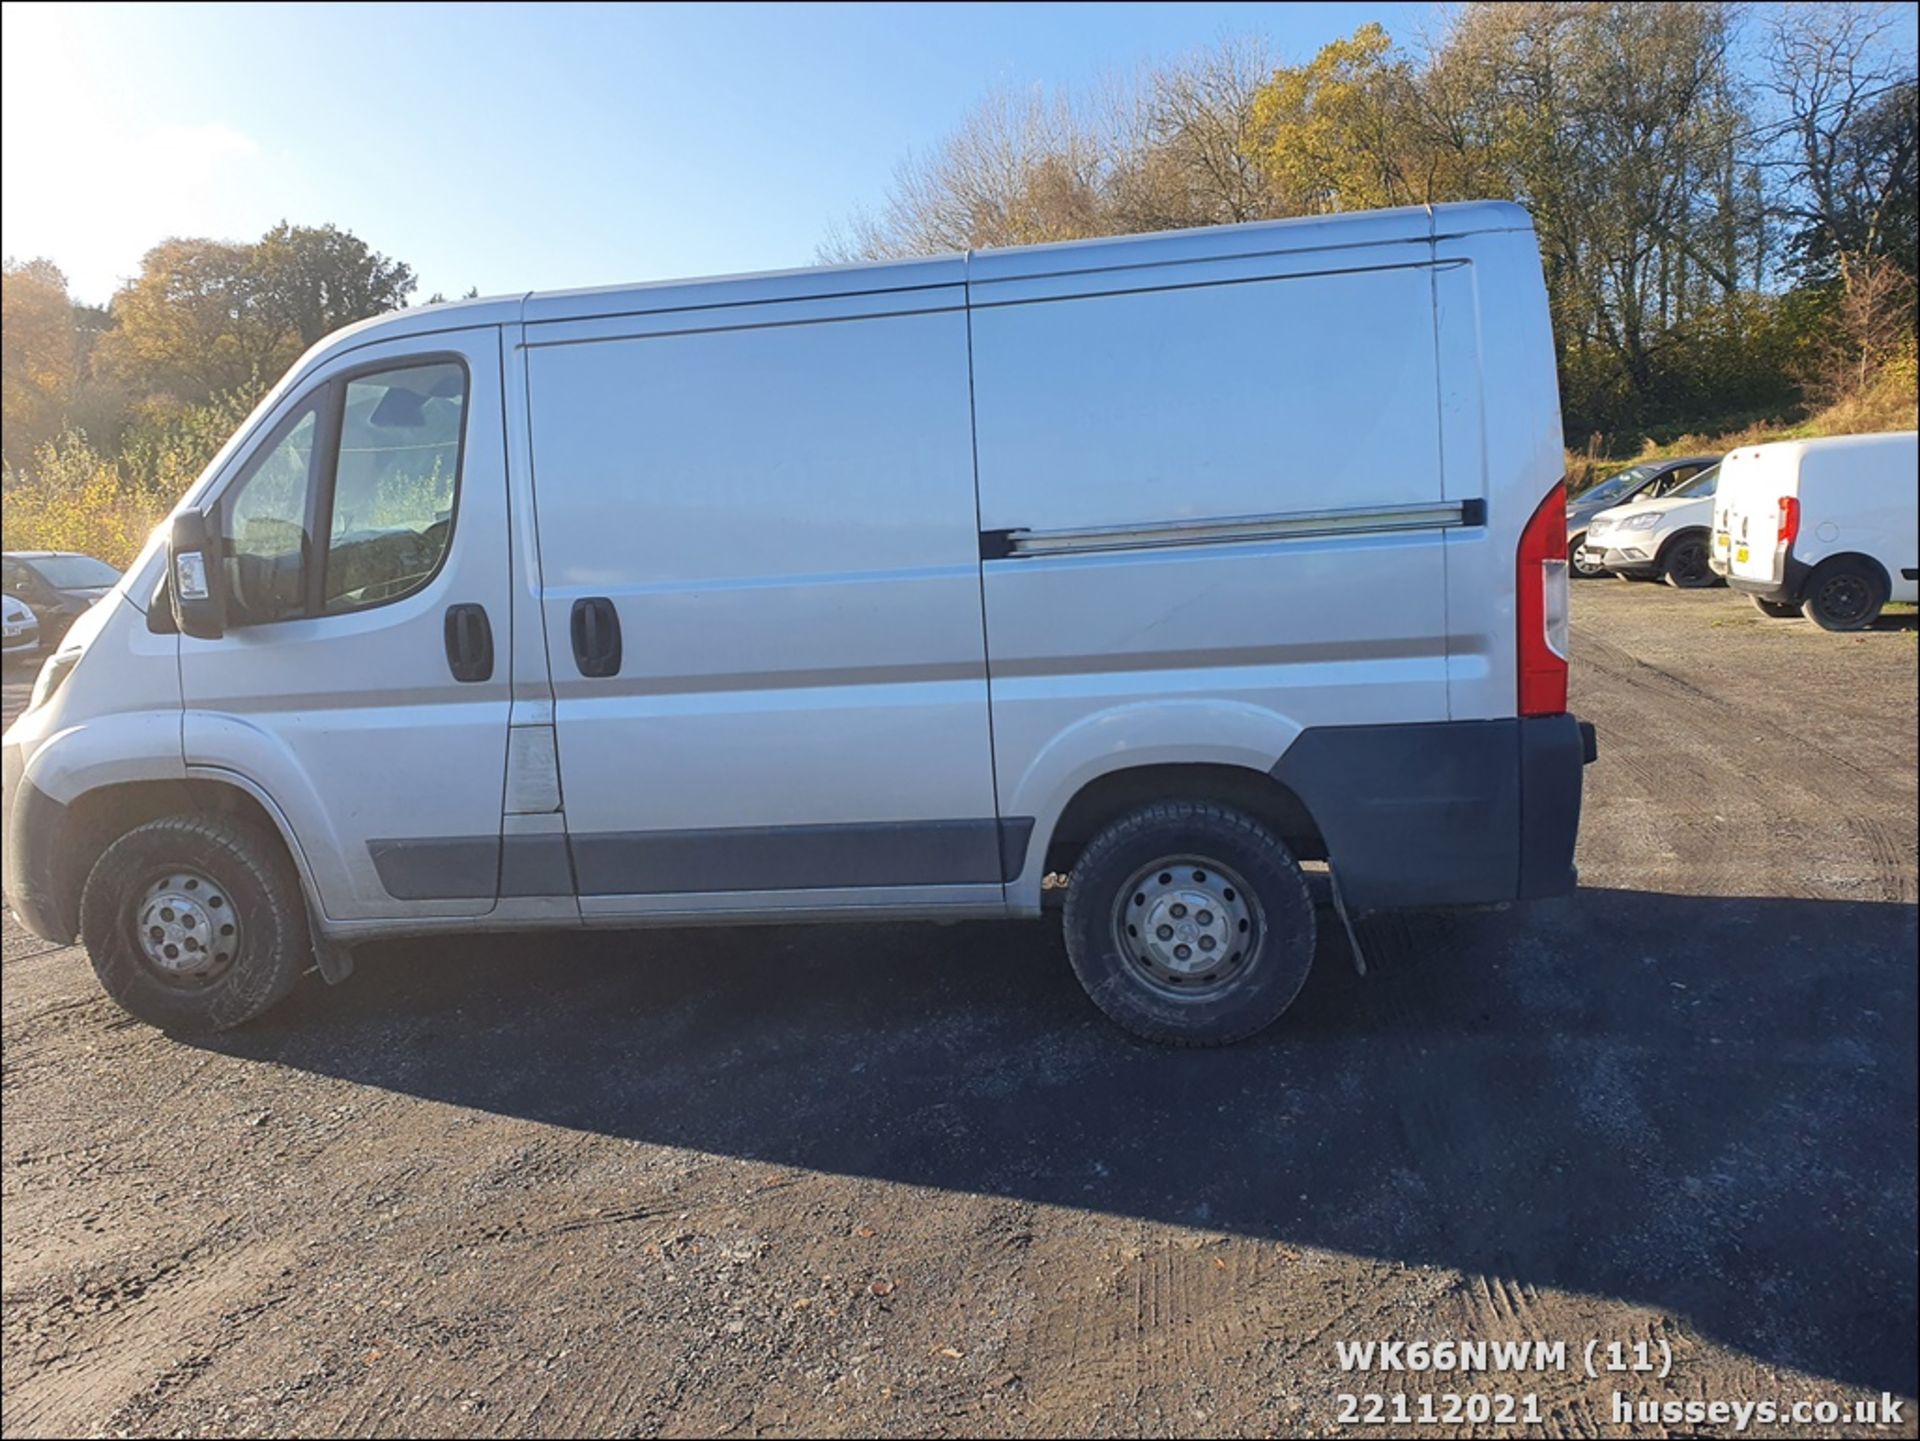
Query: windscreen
<point x="75" y="572"/>
<point x="1616" y="487"/>
<point x="1703" y="484"/>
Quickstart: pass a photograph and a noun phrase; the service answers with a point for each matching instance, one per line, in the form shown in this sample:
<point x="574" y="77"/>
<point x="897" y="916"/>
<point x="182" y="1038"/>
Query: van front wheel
<point x="195" y="923"/>
<point x="1684" y="565"/>
<point x="1189" y="923"/>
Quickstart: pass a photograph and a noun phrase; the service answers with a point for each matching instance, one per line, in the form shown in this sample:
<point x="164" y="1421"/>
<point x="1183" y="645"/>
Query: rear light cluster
<point x="1789" y="520"/>
<point x="1540" y="603"/>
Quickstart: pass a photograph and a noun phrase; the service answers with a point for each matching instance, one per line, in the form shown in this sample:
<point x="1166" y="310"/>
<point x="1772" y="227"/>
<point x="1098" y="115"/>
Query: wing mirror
<point x="196" y="581"/>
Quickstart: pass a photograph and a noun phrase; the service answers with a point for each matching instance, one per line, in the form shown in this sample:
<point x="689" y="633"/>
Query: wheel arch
<point x="1106" y="797"/>
<point x="1667" y="545"/>
<point x="98" y="817"/>
<point x="1872" y="562"/>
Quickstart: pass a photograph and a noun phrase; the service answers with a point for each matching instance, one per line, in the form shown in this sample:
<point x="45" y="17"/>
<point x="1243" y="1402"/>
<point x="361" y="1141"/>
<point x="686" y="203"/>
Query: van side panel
<point x="782" y="514"/>
<point x="1209" y="399"/>
<point x="1272" y="398"/>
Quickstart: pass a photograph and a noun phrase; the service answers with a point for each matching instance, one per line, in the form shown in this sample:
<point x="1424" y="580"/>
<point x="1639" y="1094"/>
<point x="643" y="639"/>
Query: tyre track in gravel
<point x="1710" y="805"/>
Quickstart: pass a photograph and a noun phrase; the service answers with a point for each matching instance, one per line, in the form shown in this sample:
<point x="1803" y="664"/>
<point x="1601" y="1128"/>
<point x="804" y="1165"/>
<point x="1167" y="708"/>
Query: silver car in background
<point x="1648" y="480"/>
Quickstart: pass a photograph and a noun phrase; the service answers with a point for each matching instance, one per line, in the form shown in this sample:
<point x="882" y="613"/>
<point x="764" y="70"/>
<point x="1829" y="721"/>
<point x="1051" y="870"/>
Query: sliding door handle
<point x="596" y="637"/>
<point x="469" y="637"/>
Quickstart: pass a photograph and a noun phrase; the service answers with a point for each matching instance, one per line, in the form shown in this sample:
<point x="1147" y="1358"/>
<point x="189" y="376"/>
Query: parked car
<point x="731" y="660"/>
<point x="1647" y="481"/>
<point x="58" y="584"/>
<point x="19" y="629"/>
<point x="1826" y="528"/>
<point x="1666" y="539"/>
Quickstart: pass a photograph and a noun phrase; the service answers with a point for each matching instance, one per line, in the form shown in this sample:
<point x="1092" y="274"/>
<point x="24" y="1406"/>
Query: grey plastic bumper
<point x="36" y="834"/>
<point x="1790" y="589"/>
<point x="1448" y="813"/>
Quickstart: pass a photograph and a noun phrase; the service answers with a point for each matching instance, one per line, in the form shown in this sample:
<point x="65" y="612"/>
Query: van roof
<point x="1263" y="237"/>
<point x="1816" y="445"/>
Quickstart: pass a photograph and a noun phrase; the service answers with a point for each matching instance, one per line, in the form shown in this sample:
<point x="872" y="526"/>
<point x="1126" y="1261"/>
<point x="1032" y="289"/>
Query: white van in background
<point x="1165" y="562"/>
<point x="1829" y="528"/>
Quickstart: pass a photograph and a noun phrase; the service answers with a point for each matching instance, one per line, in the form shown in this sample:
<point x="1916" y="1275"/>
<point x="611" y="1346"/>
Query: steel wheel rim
<point x="1844" y="597"/>
<point x="1188" y="927"/>
<point x="186" y="929"/>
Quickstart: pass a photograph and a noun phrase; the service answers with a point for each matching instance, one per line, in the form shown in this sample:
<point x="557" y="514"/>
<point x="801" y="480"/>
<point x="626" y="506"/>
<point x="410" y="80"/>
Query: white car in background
<point x="19" y="629"/>
<point x="1668" y="539"/>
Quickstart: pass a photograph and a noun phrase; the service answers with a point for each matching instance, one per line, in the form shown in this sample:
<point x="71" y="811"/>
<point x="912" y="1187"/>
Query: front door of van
<point x="361" y="687"/>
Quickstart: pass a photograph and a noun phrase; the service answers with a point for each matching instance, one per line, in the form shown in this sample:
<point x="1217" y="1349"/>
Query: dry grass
<point x="1890" y="402"/>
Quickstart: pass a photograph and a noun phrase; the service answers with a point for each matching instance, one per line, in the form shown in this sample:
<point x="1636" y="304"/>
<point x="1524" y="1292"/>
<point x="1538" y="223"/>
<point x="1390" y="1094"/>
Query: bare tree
<point x="1184" y="152"/>
<point x="1019" y="169"/>
<point x="1846" y="134"/>
<point x="1160" y="150"/>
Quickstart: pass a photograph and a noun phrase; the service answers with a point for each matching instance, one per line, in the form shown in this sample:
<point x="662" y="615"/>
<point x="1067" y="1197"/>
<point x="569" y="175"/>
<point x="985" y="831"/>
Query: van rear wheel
<point x="1845" y="594"/>
<point x="195" y="923"/>
<point x="1189" y="923"/>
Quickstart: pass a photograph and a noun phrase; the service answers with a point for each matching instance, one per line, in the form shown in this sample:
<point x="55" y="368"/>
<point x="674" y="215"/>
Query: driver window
<point x="393" y="493"/>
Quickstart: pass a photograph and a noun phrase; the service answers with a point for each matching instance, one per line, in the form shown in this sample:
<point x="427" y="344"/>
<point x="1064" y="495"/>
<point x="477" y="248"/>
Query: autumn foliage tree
<point x="39" y="353"/>
<point x="206" y="316"/>
<point x="111" y="413"/>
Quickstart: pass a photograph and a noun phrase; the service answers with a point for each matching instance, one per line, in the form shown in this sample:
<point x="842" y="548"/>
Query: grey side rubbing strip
<point x="747" y="858"/>
<point x="445" y="868"/>
<point x="781" y="858"/>
<point x="1291" y="525"/>
<point x="535" y="865"/>
<point x="1014" y="835"/>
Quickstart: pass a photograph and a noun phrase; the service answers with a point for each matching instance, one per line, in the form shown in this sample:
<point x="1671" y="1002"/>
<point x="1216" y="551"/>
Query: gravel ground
<point x="905" y="1180"/>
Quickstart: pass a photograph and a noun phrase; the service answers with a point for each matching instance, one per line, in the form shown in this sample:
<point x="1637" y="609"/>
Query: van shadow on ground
<point x="1703" y="1105"/>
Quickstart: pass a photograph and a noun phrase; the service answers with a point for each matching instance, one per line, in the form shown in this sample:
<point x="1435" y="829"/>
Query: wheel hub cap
<point x="186" y="926"/>
<point x="1845" y="597"/>
<point x="1187" y="925"/>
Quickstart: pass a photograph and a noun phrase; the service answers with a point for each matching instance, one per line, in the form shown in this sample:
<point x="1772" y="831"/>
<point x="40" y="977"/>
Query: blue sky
<point x="529" y="147"/>
<point x="538" y="146"/>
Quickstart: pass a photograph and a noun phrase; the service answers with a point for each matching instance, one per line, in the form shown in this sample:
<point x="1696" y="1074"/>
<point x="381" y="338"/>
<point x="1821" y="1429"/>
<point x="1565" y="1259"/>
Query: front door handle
<point x="596" y="637"/>
<point x="469" y="643"/>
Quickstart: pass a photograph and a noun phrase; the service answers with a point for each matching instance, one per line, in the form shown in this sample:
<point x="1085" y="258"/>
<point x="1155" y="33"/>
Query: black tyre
<point x="1583" y="569"/>
<point x="195" y="923"/>
<point x="1684" y="564"/>
<point x="1189" y="923"/>
<point x="1774" y="609"/>
<point x="1845" y="593"/>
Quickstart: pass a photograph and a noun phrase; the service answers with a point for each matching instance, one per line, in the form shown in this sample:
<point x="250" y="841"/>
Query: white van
<point x="1162" y="563"/>
<point x="1826" y="528"/>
